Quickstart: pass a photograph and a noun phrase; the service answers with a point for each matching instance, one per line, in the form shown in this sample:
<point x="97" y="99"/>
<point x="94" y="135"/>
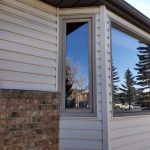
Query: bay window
<point x="130" y="73"/>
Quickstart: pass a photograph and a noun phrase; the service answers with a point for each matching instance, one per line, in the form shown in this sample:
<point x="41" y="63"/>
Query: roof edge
<point x="119" y="7"/>
<point x="129" y="13"/>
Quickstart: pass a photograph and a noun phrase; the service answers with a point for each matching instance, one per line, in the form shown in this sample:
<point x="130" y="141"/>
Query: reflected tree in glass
<point x="143" y="77"/>
<point x="131" y="57"/>
<point x="69" y="103"/>
<point x="128" y="88"/>
<point x="77" y="66"/>
<point x="143" y="66"/>
<point x="115" y="81"/>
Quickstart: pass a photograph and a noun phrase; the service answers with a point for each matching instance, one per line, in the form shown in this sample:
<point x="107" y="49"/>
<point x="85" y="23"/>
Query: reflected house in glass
<point x="76" y="69"/>
<point x="74" y="75"/>
<point x="81" y="97"/>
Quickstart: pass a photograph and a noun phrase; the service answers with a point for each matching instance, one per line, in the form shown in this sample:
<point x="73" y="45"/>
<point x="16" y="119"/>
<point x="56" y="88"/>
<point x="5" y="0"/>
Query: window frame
<point x="127" y="30"/>
<point x="64" y="19"/>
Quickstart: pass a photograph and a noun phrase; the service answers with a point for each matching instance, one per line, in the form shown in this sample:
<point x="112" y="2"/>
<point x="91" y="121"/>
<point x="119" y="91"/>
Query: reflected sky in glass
<point x="77" y="50"/>
<point x="130" y="58"/>
<point x="124" y="52"/>
<point x="77" y="66"/>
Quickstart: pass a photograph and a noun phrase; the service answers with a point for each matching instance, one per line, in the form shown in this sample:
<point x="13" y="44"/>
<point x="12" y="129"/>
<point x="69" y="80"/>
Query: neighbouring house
<point x="74" y="75"/>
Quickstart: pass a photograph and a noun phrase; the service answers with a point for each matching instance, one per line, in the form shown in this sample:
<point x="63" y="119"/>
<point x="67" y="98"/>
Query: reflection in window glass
<point x="77" y="68"/>
<point x="131" y="73"/>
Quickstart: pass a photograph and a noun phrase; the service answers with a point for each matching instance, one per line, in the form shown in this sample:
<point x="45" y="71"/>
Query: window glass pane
<point x="131" y="73"/>
<point x="77" y="68"/>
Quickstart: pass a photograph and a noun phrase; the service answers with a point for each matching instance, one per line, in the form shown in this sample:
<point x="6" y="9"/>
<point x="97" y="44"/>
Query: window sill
<point x="131" y="114"/>
<point x="78" y="114"/>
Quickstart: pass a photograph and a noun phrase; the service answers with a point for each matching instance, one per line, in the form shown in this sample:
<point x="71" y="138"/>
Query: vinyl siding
<point x="133" y="132"/>
<point x="130" y="133"/>
<point x="80" y="134"/>
<point x="85" y="133"/>
<point x="28" y="60"/>
<point x="28" y="55"/>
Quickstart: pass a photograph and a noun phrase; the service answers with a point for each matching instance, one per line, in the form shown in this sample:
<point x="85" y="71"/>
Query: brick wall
<point x="29" y="120"/>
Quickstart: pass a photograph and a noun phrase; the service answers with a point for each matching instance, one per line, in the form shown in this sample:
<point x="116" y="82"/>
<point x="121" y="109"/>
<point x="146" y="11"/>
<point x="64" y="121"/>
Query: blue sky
<point x="77" y="46"/>
<point x="77" y="50"/>
<point x="124" y="53"/>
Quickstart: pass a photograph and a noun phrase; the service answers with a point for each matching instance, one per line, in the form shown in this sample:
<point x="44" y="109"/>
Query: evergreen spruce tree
<point x="115" y="80"/>
<point x="128" y="89"/>
<point x="143" y="66"/>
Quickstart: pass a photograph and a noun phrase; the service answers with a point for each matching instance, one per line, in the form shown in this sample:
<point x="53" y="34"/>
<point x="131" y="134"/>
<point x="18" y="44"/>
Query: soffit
<point x="119" y="7"/>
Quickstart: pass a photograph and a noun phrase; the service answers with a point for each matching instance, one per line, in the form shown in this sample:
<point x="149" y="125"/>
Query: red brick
<point x="29" y="120"/>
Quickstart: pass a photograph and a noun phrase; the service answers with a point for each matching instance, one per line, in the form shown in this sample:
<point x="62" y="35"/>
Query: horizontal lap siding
<point x="85" y="133"/>
<point x="129" y="133"/>
<point x="28" y="54"/>
<point x="81" y="134"/>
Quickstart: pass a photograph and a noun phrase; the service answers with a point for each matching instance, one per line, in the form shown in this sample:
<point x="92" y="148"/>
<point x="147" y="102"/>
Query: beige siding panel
<point x="27" y="15"/>
<point x="14" y="28"/>
<point x="130" y="133"/>
<point x="81" y="134"/>
<point x="14" y="37"/>
<point x="128" y="122"/>
<point x="131" y="142"/>
<point x="28" y="45"/>
<point x="145" y="147"/>
<point x="5" y="84"/>
<point x="39" y="5"/>
<point x="13" y="56"/>
<point x="27" y="50"/>
<point x="26" y="77"/>
<point x="26" y="68"/>
<point x="13" y="18"/>
<point x="32" y="10"/>
<point x="80" y="144"/>
<point x="139" y="145"/>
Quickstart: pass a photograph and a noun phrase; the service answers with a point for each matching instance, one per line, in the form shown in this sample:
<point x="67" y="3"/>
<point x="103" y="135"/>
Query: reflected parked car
<point x="120" y="106"/>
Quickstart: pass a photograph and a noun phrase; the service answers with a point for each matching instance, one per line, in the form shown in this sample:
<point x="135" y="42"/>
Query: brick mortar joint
<point x="17" y="93"/>
<point x="23" y="122"/>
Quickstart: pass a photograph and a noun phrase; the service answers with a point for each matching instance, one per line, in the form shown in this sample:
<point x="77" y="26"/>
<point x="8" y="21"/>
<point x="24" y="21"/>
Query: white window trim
<point x="75" y="18"/>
